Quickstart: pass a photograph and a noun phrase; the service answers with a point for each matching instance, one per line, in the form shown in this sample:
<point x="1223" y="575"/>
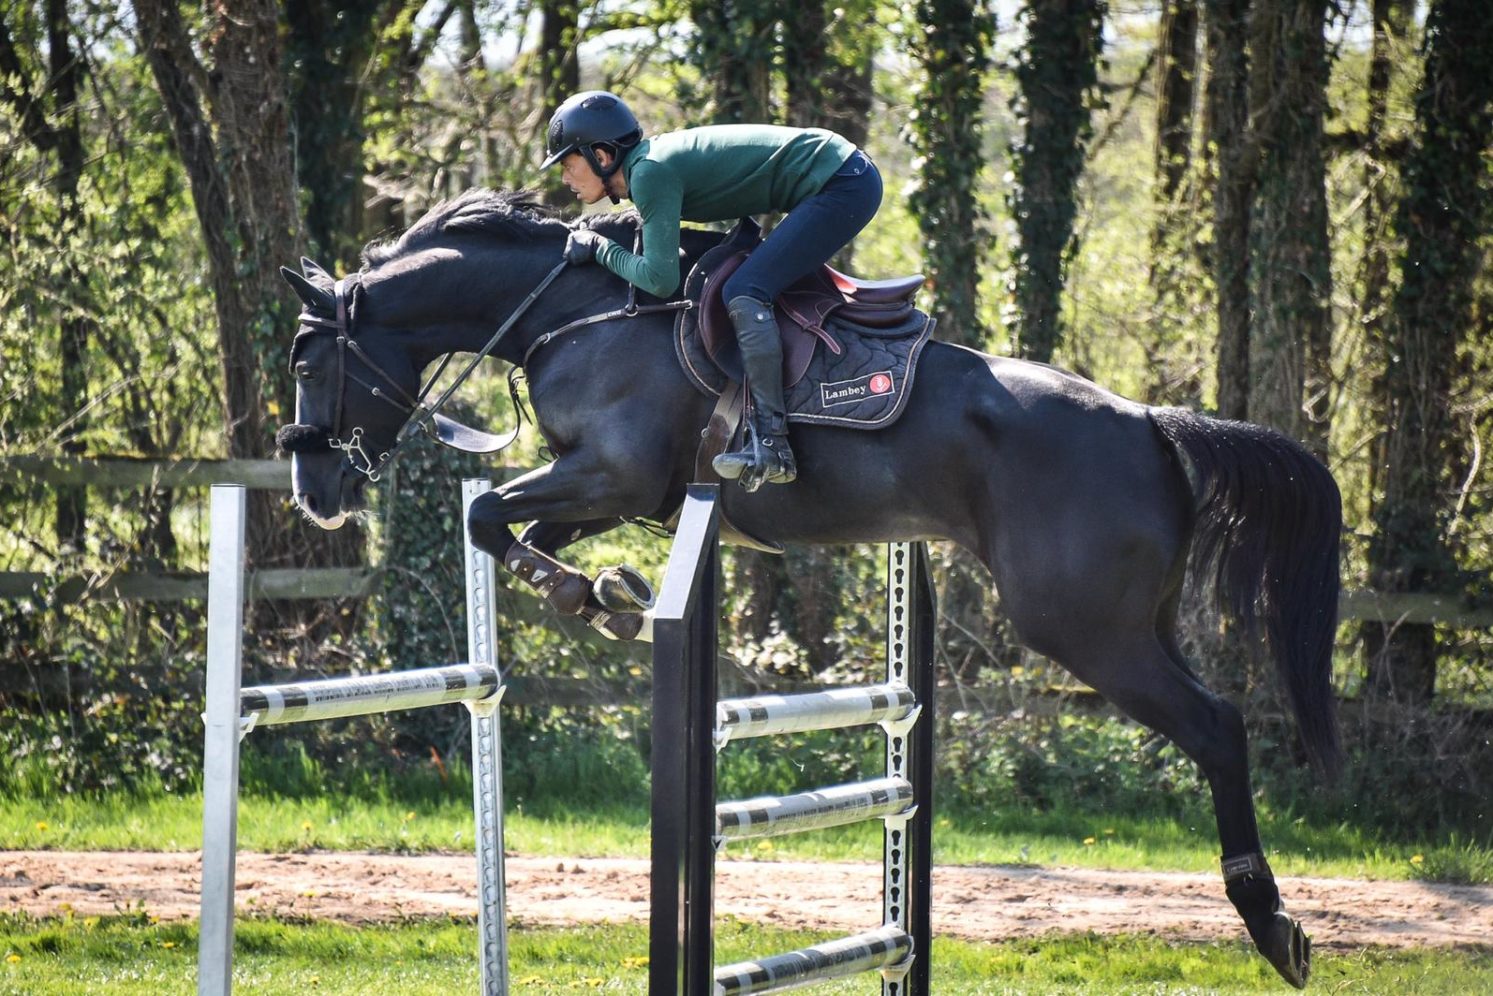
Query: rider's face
<point x="581" y="179"/>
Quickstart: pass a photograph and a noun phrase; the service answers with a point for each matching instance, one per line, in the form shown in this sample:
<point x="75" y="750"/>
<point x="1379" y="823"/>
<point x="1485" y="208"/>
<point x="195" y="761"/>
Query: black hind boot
<point x="764" y="456"/>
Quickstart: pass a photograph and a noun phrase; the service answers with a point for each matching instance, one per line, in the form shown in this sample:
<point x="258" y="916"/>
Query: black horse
<point x="1082" y="505"/>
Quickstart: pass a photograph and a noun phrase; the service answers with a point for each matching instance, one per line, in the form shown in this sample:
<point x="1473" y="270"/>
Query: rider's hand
<point x="582" y="245"/>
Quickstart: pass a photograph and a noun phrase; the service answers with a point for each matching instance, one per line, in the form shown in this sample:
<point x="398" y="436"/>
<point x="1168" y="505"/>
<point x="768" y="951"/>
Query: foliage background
<point x="409" y="102"/>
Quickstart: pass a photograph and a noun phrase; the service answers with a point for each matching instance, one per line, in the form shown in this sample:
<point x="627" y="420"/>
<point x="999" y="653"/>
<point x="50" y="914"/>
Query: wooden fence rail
<point x="132" y="472"/>
<point x="357" y="582"/>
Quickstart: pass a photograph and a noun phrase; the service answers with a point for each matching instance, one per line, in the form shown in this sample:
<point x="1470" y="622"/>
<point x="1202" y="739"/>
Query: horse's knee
<point x="487" y="525"/>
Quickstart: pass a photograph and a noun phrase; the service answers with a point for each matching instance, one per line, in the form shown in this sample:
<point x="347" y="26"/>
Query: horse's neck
<point x="493" y="290"/>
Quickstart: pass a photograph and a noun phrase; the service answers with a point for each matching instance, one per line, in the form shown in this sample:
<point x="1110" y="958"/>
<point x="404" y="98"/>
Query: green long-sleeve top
<point x="715" y="173"/>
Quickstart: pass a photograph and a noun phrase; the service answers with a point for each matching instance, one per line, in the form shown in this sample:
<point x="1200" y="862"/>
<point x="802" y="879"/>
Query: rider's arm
<point x="659" y="197"/>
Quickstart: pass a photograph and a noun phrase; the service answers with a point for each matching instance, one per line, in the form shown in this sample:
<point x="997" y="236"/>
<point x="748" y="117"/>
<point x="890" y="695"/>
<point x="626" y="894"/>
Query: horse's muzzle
<point x="297" y="438"/>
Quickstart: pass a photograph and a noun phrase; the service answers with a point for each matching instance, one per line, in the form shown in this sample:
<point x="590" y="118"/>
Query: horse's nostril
<point x="307" y="502"/>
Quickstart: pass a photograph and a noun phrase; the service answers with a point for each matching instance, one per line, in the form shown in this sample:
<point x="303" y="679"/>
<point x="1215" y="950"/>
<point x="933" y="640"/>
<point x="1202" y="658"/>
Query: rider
<point x="829" y="189"/>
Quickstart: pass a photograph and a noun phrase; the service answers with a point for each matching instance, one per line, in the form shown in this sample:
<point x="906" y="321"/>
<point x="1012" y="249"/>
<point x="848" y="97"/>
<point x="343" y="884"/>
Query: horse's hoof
<point x="1287" y="947"/>
<point x="615" y="625"/>
<point x="623" y="589"/>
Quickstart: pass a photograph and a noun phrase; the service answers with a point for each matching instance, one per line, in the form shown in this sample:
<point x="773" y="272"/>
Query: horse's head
<point x="354" y="392"/>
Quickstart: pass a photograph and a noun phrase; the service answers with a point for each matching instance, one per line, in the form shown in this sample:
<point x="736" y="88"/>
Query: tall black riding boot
<point x="764" y="456"/>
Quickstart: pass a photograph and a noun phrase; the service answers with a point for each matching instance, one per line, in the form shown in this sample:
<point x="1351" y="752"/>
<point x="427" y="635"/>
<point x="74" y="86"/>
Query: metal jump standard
<point x="231" y="713"/>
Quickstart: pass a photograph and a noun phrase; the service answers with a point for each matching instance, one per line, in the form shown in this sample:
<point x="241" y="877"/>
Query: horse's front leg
<point x="564" y="498"/>
<point x="617" y="589"/>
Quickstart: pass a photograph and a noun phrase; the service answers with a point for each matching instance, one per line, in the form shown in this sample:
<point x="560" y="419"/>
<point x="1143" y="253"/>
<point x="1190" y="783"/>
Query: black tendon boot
<point x="764" y="456"/>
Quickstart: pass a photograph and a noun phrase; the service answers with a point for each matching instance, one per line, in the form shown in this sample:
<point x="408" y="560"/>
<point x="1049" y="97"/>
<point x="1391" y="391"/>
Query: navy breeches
<point x="811" y="233"/>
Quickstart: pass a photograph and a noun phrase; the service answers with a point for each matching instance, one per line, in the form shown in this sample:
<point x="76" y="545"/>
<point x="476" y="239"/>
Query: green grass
<point x="129" y="956"/>
<point x="1060" y="837"/>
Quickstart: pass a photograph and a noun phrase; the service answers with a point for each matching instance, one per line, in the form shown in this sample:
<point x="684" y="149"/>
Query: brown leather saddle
<point x="802" y="310"/>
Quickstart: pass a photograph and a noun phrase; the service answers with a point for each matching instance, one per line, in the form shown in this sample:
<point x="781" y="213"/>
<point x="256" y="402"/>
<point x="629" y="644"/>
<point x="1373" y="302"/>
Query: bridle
<point x="423" y="417"/>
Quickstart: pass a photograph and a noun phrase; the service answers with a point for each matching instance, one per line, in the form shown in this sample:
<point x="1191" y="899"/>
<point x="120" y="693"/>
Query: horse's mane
<point x="512" y="216"/>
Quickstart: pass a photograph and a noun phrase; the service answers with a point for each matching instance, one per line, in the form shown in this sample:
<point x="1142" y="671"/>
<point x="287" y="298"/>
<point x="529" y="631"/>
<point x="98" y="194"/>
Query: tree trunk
<point x="1445" y="212"/>
<point x="1226" y="131"/>
<point x="1056" y="72"/>
<point x="1290" y="342"/>
<point x="827" y="70"/>
<point x="1176" y="73"/>
<point x="48" y="115"/>
<point x="953" y="48"/>
<point x="1174" y="378"/>
<point x="559" y="77"/>
<point x="1391" y="21"/>
<point x="329" y="46"/>
<point x="66" y="72"/>
<point x="242" y="177"/>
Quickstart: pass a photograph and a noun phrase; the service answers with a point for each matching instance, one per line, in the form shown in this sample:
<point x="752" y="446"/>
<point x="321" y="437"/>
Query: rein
<point x="427" y="417"/>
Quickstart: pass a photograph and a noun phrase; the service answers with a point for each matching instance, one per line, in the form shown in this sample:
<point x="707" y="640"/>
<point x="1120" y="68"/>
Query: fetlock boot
<point x="764" y="456"/>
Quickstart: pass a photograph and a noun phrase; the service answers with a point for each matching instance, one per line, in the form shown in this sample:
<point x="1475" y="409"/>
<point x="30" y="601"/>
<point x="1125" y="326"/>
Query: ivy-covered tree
<point x="559" y="76"/>
<point x="1392" y="19"/>
<point x="1230" y="165"/>
<point x="1057" y="72"/>
<point x="1443" y="217"/>
<point x="735" y="47"/>
<point x="951" y="42"/>
<point x="1290" y="260"/>
<point x="827" y="65"/>
<point x="329" y="48"/>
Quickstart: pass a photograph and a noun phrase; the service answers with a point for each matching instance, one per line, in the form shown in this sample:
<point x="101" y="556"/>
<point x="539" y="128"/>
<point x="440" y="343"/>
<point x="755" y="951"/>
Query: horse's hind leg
<point x="1141" y="676"/>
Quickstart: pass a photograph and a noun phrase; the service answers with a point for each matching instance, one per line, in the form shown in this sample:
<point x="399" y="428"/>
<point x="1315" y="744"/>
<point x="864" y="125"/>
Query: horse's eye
<point x="305" y="372"/>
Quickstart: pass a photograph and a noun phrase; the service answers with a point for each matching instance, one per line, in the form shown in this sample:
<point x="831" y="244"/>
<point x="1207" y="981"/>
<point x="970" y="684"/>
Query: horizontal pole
<point x="1364" y="605"/>
<point x="877" y="949"/>
<point x="128" y="472"/>
<point x="773" y="816"/>
<point x="832" y="709"/>
<point x="160" y="472"/>
<point x="363" y="695"/>
<point x="274" y="583"/>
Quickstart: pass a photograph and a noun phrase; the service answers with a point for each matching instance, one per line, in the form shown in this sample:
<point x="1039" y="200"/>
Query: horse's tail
<point x="1268" y="523"/>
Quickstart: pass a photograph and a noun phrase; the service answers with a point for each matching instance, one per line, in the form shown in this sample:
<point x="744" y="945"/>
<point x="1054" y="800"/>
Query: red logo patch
<point x="880" y="384"/>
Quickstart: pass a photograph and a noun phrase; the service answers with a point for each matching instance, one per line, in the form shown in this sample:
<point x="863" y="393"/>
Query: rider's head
<point x="597" y="127"/>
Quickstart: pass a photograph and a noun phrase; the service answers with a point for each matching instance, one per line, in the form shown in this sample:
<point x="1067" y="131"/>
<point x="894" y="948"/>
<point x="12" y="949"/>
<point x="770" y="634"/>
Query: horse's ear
<point x="315" y="273"/>
<point x="311" y="295"/>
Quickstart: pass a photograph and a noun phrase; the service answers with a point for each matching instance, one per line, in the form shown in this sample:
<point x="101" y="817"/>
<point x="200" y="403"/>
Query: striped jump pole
<point x="366" y="695"/>
<point x="877" y="950"/>
<point x="231" y="713"/>
<point x="688" y="825"/>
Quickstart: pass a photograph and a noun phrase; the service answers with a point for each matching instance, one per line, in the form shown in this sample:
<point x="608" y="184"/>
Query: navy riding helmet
<point x="587" y="120"/>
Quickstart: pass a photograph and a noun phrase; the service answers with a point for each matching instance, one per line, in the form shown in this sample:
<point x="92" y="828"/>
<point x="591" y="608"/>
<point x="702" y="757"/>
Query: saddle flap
<point x="719" y="336"/>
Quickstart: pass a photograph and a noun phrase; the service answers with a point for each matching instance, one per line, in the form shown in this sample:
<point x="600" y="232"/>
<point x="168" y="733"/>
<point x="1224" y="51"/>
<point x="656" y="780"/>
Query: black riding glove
<point x="582" y="245"/>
